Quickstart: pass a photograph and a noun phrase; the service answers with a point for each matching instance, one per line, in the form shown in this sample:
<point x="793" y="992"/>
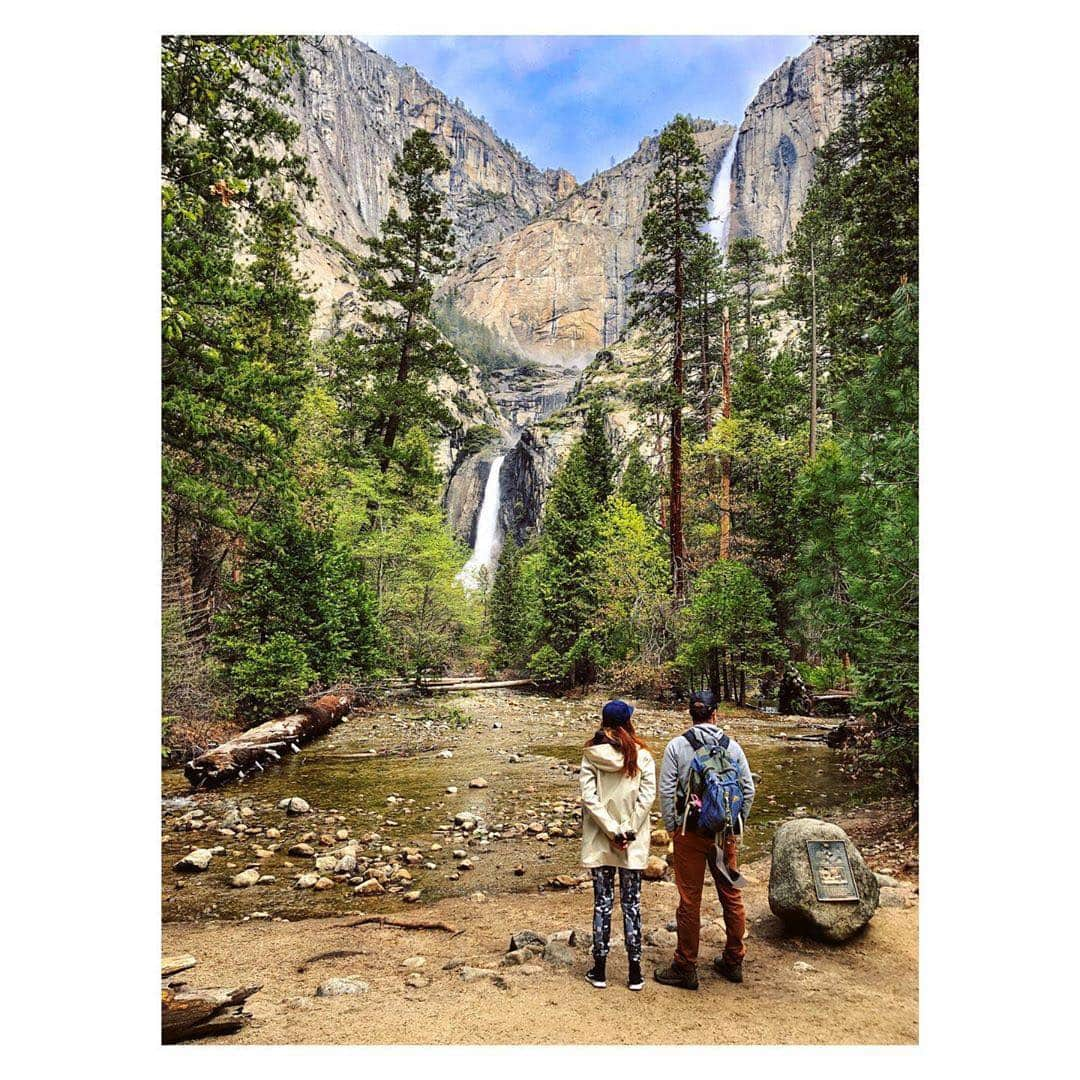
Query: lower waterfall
<point x="487" y="526"/>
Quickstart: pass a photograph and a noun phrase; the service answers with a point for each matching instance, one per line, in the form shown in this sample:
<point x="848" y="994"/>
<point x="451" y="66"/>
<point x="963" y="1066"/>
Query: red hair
<point x="624" y="738"/>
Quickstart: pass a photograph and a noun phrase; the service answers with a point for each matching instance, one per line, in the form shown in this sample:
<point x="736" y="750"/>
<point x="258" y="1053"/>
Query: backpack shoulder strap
<point x="725" y="741"/>
<point x="692" y="737"/>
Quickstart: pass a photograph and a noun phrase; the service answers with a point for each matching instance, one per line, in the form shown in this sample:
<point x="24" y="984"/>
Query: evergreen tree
<point x="640" y="486"/>
<point x="600" y="464"/>
<point x="748" y="264"/>
<point x="406" y="351"/>
<point x="670" y="234"/>
<point x="234" y="320"/>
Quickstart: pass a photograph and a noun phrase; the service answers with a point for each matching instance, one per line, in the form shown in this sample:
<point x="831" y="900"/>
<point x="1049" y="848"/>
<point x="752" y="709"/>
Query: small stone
<point x="371" y="887"/>
<point x="325" y="864"/>
<point x="342" y="834"/>
<point x="887" y="882"/>
<point x="337" y="987"/>
<point x="345" y="865"/>
<point x="520" y="938"/>
<point x="474" y="974"/>
<point x="301" y="851"/>
<point x="655" y="869"/>
<point x="445" y="754"/>
<point x="519" y="870"/>
<point x="244" y="879"/>
<point x="465" y="821"/>
<point x="411" y="897"/>
<point x="307" y="881"/>
<point x="801" y="966"/>
<point x="414" y="963"/>
<point x="417" y="981"/>
<point x="661" y="938"/>
<point x="324" y="883"/>
<point x="199" y="859"/>
<point x="465" y="864"/>
<point x="272" y="834"/>
<point x="479" y="782"/>
<point x="295" y="806"/>
<point x="451" y="790"/>
<point x="459" y="853"/>
<point x="559" y="953"/>
<point x="891" y="898"/>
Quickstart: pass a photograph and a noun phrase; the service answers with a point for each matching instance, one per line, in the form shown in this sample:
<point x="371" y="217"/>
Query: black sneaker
<point x="731" y="972"/>
<point x="676" y="976"/>
<point x="597" y="974"/>
<point x="634" y="978"/>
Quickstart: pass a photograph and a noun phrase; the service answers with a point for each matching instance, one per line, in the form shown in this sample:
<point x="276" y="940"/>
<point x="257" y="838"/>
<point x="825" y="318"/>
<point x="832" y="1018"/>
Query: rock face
<point x="356" y="108"/>
<point x="558" y="288"/>
<point x="792" y="897"/>
<point x="797" y="108"/>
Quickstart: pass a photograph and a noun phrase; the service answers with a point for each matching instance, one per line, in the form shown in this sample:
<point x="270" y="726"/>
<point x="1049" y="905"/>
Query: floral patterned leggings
<point x="603" y="878"/>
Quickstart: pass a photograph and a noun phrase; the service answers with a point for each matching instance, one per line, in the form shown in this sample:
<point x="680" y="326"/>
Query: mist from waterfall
<point x="487" y="525"/>
<point x="720" y="196"/>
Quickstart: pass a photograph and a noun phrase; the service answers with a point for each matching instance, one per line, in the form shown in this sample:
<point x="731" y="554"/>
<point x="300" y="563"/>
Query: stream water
<point x="380" y="777"/>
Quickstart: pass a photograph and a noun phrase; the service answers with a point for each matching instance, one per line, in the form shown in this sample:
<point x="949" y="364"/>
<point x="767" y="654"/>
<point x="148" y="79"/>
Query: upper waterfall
<point x="720" y="197"/>
<point x="487" y="524"/>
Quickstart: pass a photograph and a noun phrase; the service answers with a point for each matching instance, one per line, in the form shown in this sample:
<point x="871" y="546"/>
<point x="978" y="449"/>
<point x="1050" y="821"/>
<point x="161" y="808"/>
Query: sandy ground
<point x="865" y="992"/>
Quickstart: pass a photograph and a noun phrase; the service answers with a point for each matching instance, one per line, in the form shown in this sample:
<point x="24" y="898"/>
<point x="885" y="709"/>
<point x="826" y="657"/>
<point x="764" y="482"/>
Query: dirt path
<point x="865" y="992"/>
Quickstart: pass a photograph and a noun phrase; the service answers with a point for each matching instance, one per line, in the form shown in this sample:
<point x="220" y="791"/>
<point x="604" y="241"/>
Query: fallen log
<point x="433" y="688"/>
<point x="193" y="1014"/>
<point x="264" y="743"/>
<point x="402" y="924"/>
<point x="173" y="965"/>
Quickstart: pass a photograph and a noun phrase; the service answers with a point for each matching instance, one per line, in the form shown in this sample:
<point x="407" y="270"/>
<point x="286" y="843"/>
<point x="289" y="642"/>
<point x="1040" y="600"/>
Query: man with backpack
<point x="706" y="791"/>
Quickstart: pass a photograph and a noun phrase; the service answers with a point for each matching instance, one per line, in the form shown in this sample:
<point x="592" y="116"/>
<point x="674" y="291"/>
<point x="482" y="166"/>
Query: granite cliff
<point x="797" y="108"/>
<point x="557" y="289"/>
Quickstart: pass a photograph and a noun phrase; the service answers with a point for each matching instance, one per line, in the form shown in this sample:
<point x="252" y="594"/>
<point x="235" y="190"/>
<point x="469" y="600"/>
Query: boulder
<point x="792" y="896"/>
<point x="245" y="878"/>
<point x="479" y="782"/>
<point x="294" y="806"/>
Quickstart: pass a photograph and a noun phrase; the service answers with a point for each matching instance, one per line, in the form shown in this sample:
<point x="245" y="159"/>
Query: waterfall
<point x="486" y="528"/>
<point x="720" y="197"/>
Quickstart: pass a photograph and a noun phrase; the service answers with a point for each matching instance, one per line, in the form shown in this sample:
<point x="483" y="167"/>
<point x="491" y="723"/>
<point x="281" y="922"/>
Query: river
<point x="524" y="745"/>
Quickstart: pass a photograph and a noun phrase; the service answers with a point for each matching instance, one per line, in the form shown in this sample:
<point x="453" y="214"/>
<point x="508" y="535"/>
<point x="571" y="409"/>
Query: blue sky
<point x="578" y="102"/>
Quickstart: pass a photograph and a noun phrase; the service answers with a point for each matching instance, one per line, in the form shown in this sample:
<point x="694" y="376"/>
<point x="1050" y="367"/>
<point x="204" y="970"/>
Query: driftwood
<point x="193" y="1014"/>
<point x="266" y="742"/>
<point x="402" y="924"/>
<point x="173" y="965"/>
<point x="799" y="738"/>
<point x="333" y="954"/>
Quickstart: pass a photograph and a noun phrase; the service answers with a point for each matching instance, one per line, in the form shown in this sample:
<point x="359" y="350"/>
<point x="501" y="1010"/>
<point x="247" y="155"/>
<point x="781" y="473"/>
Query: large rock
<point x="337" y="987"/>
<point x="792" y="896"/>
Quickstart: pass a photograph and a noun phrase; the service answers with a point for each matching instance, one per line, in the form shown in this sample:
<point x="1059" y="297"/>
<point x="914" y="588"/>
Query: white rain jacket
<point x="612" y="802"/>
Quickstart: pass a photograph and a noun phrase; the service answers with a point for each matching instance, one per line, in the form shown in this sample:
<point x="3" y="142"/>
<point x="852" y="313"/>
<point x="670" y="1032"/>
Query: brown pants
<point x="693" y="853"/>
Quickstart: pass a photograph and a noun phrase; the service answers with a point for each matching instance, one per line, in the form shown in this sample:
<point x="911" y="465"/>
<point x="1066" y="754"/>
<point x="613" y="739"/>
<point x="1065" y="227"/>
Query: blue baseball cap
<point x="616" y="713"/>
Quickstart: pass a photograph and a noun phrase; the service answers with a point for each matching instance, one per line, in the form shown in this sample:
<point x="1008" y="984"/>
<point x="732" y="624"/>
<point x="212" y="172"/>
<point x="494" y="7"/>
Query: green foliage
<point x="234" y="319"/>
<point x="729" y="621"/>
<point x="640" y="486"/>
<point x="476" y="438"/>
<point x="271" y="676"/>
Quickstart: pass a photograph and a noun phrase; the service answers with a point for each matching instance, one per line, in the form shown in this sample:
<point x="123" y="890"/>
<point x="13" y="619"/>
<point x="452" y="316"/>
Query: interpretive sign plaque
<point x="833" y="879"/>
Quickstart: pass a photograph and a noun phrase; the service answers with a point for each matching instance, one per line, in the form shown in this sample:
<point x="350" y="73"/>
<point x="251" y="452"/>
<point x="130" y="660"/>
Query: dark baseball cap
<point x="704" y="699"/>
<point x="616" y="713"/>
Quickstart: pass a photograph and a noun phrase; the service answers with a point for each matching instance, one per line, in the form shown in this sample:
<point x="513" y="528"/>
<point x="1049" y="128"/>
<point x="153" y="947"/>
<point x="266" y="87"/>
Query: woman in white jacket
<point x="618" y="785"/>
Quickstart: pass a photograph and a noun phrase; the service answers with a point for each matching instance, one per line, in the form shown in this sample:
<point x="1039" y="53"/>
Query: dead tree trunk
<point x="193" y="1014"/>
<point x="266" y="742"/>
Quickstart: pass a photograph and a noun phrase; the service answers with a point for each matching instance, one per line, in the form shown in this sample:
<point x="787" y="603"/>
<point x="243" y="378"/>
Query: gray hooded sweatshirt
<point x="675" y="772"/>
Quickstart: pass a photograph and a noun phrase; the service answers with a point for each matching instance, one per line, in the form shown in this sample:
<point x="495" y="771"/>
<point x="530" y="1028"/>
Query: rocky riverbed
<point x="415" y="800"/>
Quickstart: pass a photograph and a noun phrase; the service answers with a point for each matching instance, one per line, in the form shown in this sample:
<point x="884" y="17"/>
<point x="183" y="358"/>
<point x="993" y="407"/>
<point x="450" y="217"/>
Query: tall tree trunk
<point x="725" y="465"/>
<point x="813" y="354"/>
<point x="714" y="669"/>
<point x="706" y="372"/>
<point x="675" y="524"/>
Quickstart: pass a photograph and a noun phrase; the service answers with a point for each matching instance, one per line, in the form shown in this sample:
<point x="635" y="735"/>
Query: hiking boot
<point x="634" y="979"/>
<point x="677" y="976"/>
<point x="597" y="974"/>
<point x="731" y="972"/>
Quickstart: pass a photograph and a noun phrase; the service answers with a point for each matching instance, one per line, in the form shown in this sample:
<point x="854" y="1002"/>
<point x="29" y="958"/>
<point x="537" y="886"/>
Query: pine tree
<point x="748" y="264"/>
<point x="234" y="319"/>
<point x="671" y="233"/>
<point x="600" y="462"/>
<point x="406" y="351"/>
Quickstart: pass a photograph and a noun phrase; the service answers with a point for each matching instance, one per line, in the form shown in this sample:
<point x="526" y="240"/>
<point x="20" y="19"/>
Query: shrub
<point x="271" y="677"/>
